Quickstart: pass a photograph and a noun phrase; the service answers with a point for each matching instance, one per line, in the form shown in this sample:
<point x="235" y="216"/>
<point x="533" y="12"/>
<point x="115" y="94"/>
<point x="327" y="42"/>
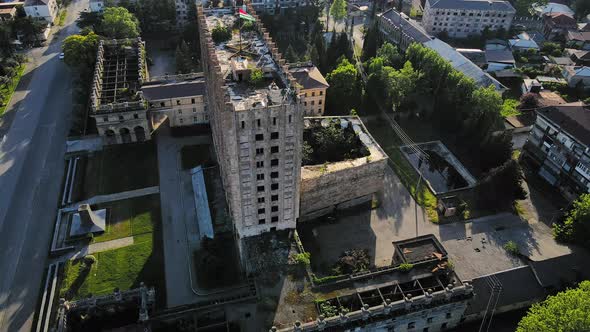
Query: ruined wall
<point x="341" y="185"/>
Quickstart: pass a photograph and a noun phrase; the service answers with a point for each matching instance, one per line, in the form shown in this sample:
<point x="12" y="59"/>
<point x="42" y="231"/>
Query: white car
<point x="61" y="56"/>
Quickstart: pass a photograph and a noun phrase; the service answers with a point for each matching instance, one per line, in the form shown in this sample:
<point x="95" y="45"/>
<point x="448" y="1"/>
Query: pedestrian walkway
<point x="117" y="196"/>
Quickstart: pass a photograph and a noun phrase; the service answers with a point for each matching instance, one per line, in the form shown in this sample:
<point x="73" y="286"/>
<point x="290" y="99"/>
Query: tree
<point x="29" y="28"/>
<point x="529" y="101"/>
<point x="582" y="8"/>
<point x="372" y="41"/>
<point x="185" y="62"/>
<point x="402" y="86"/>
<point x="220" y="34"/>
<point x="390" y="55"/>
<point x="80" y="51"/>
<point x="118" y="23"/>
<point x="90" y="19"/>
<point x="291" y="55"/>
<point x="6" y="47"/>
<point x="343" y="92"/>
<point x="501" y="186"/>
<point x="575" y="228"/>
<point x="523" y="7"/>
<point x="565" y="312"/>
<point x="338" y="9"/>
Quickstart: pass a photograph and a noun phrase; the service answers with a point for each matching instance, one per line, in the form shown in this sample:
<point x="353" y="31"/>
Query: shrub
<point x="327" y="279"/>
<point x="256" y="77"/>
<point x="575" y="227"/>
<point x="89" y="259"/>
<point x="303" y="258"/>
<point x="512" y="248"/>
<point x="405" y="267"/>
<point x="220" y="34"/>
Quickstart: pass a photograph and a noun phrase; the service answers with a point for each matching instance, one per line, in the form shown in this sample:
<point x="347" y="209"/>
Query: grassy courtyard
<point x="130" y="217"/>
<point x="390" y="143"/>
<point x="116" y="169"/>
<point x="122" y="268"/>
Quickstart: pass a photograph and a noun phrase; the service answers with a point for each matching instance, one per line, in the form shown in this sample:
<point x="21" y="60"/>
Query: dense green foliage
<point x="345" y="89"/>
<point x="501" y="186"/>
<point x="524" y="7"/>
<point x="221" y="34"/>
<point x="185" y="59"/>
<point x="331" y="144"/>
<point x="256" y="77"/>
<point x="303" y="258"/>
<point x="582" y="8"/>
<point x="568" y="311"/>
<point x="80" y="51"/>
<point x="338" y="9"/>
<point x="575" y="228"/>
<point x="153" y="15"/>
<point x="118" y="23"/>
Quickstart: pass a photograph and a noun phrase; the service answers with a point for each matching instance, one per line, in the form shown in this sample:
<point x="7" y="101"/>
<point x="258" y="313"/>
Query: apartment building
<point x="257" y="126"/>
<point x="461" y="18"/>
<point x="181" y="98"/>
<point x="277" y="6"/>
<point x="43" y="10"/>
<point x="559" y="144"/>
<point x="313" y="87"/>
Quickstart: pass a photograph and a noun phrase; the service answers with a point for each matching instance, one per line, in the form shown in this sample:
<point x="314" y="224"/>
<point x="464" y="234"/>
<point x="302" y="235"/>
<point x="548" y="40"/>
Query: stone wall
<point x="343" y="184"/>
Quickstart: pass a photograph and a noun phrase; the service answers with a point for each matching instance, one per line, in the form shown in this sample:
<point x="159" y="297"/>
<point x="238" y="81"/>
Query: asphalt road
<point x="31" y="172"/>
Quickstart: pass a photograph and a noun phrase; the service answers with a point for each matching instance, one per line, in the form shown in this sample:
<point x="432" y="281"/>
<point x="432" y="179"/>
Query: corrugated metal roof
<point x="409" y="26"/>
<point x="462" y="64"/>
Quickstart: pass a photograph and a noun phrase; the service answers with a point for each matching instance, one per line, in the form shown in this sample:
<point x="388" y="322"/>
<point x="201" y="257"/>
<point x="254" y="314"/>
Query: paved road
<point x="31" y="171"/>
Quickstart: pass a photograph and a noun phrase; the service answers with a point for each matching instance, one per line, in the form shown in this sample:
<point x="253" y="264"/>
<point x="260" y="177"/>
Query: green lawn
<point x="118" y="168"/>
<point x="7" y="90"/>
<point x="122" y="268"/>
<point x="129" y="217"/>
<point x="390" y="142"/>
<point x="126" y="267"/>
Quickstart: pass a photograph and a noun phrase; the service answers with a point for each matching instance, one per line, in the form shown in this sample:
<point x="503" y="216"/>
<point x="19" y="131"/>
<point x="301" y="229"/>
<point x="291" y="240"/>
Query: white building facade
<point x="42" y="10"/>
<point x="463" y="18"/>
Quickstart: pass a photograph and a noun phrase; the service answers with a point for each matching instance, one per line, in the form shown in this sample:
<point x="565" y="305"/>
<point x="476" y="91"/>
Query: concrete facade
<point x="181" y="98"/>
<point x="341" y="184"/>
<point x="277" y="6"/>
<point x="43" y="10"/>
<point x="117" y="104"/>
<point x="463" y="18"/>
<point x="257" y="133"/>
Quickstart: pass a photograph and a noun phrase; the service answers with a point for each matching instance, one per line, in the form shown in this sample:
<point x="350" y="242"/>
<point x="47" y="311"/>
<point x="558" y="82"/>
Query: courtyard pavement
<point x="476" y="247"/>
<point x="31" y="169"/>
<point x="179" y="225"/>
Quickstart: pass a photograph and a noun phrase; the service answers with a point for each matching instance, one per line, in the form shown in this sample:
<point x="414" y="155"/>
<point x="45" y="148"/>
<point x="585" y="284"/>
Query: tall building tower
<point x="256" y="120"/>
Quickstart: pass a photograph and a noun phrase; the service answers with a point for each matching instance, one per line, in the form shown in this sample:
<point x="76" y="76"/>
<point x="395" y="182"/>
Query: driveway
<point x="31" y="171"/>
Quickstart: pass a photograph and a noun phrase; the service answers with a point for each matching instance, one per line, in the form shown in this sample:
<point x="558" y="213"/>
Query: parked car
<point x="61" y="56"/>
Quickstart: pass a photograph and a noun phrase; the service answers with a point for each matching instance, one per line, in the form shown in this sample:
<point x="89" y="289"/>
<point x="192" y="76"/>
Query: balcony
<point x="584" y="170"/>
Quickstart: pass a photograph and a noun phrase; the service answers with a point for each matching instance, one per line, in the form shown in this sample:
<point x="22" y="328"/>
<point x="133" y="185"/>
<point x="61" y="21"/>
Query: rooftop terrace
<point x="240" y="56"/>
<point x="120" y="71"/>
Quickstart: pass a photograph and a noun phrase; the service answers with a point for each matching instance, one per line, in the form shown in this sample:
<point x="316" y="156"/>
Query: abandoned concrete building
<point x="256" y="125"/>
<point x="344" y="183"/>
<point x="181" y="98"/>
<point x="419" y="291"/>
<point x="117" y="103"/>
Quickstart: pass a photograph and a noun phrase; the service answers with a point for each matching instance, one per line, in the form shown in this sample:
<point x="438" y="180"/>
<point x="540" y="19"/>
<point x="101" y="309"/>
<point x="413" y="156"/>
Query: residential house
<point x="523" y="45"/>
<point x="469" y="17"/>
<point x="499" y="60"/>
<point x="400" y="30"/>
<point x="579" y="57"/>
<point x="530" y="85"/>
<point x="8" y="10"/>
<point x="180" y="98"/>
<point x="43" y="10"/>
<point x="579" y="40"/>
<point x="313" y="87"/>
<point x="558" y="24"/>
<point x="496" y="44"/>
<point x="96" y="6"/>
<point x="560" y="144"/>
<point x="577" y="75"/>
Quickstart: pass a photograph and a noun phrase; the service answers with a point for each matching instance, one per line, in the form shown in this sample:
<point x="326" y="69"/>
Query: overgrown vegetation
<point x="512" y="248"/>
<point x="220" y="34"/>
<point x="11" y="71"/>
<point x="405" y="267"/>
<point x="352" y="261"/>
<point x="575" y="227"/>
<point x="566" y="312"/>
<point x="303" y="258"/>
<point x="331" y="144"/>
